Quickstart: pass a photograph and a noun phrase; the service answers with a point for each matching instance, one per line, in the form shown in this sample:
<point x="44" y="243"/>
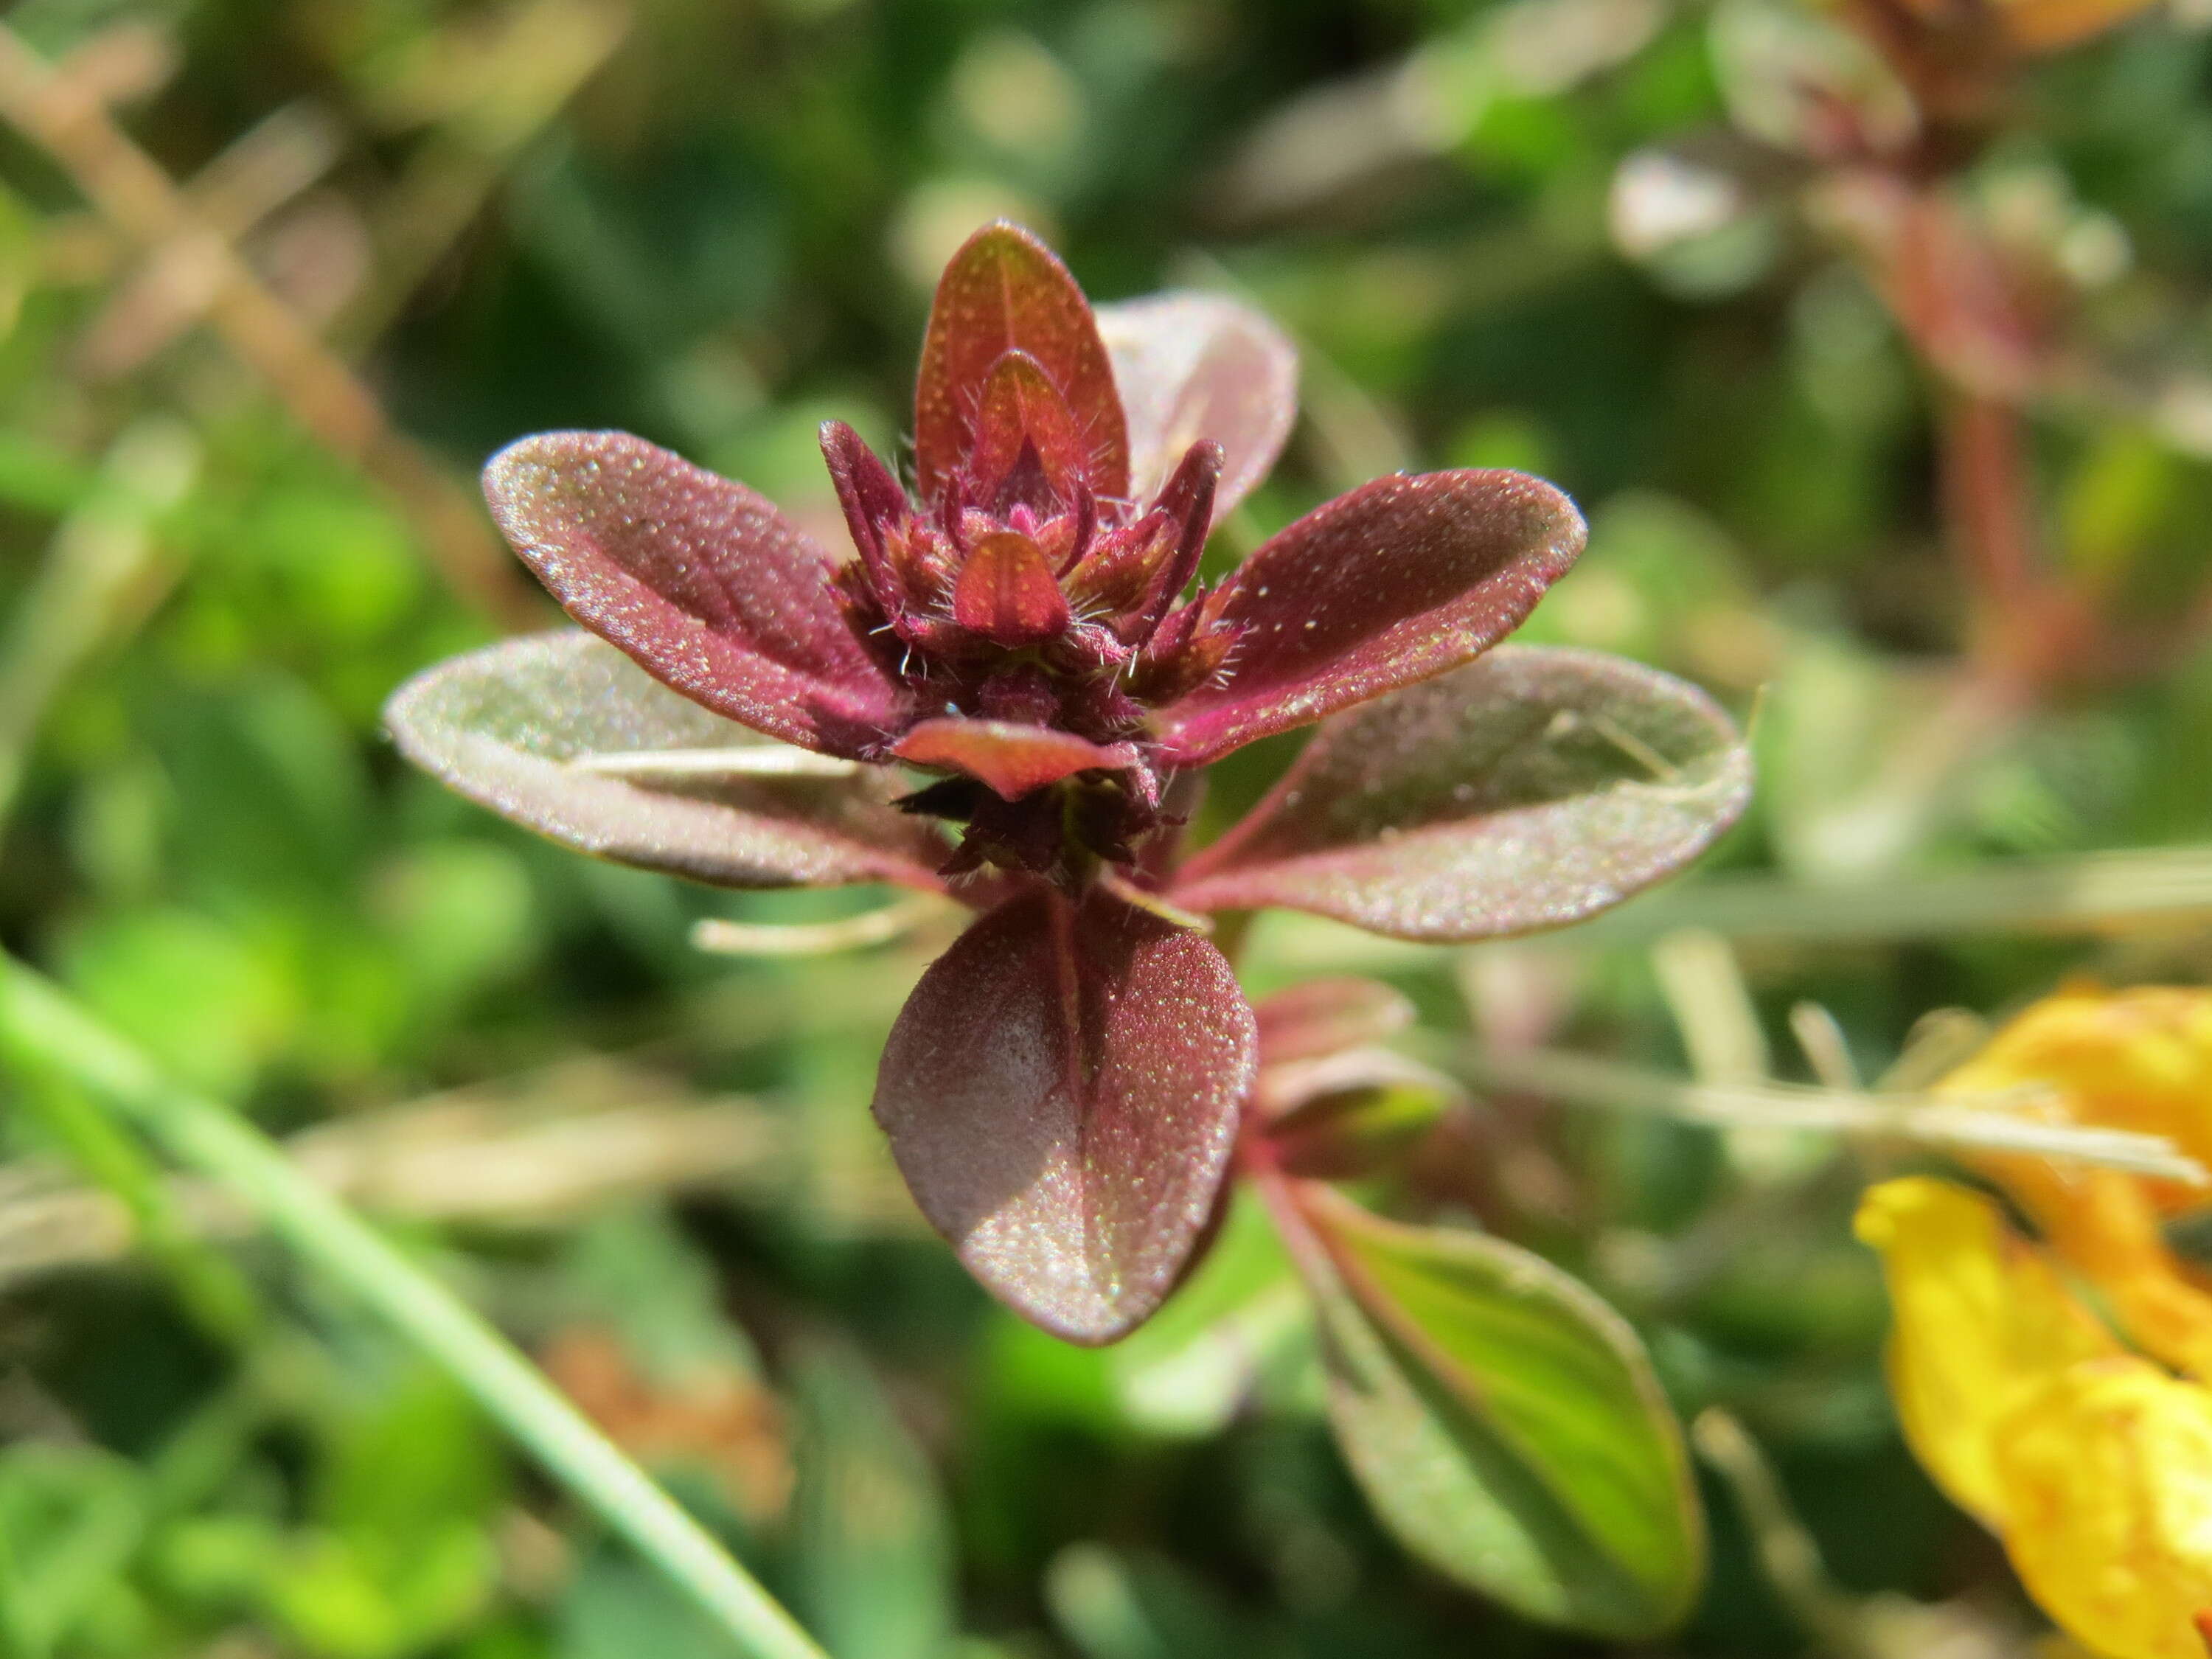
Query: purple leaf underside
<point x="519" y="727"/>
<point x="1531" y="788"/>
<point x="1392" y="583"/>
<point x="703" y="583"/>
<point x="1061" y="1093"/>
<point x="1192" y="366"/>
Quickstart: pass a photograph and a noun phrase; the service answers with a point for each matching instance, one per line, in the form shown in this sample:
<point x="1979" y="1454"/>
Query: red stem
<point x="1984" y="478"/>
<point x="2041" y="634"/>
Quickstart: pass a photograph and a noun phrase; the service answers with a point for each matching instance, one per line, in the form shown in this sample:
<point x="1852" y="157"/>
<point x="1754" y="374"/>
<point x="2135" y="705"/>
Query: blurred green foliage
<point x="715" y="224"/>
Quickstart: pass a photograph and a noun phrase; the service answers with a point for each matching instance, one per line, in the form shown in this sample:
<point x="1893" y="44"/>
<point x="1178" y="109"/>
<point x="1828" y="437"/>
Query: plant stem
<point x="39" y="1024"/>
<point x="1985" y="475"/>
<point x="216" y="1293"/>
<point x="1785" y="1549"/>
<point x="1962" y="1123"/>
<point x="2089" y="893"/>
<point x="2094" y="894"/>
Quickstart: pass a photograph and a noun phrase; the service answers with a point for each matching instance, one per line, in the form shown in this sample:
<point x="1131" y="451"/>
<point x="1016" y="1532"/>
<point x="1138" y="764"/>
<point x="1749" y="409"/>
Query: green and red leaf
<point x="1503" y="1421"/>
<point x="1348" y="1114"/>
<point x="564" y="734"/>
<point x="1535" y="787"/>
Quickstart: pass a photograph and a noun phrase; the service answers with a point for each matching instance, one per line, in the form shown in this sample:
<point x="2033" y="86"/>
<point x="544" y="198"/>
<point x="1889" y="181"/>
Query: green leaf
<point x="350" y="1596"/>
<point x="1532" y="787"/>
<point x="1238" y="1323"/>
<point x="1505" y="1422"/>
<point x="214" y="1005"/>
<point x="418" y="1457"/>
<point x="37" y="477"/>
<point x="871" y="1555"/>
<point x="617" y="1608"/>
<point x="72" y="1517"/>
<point x="396" y="1553"/>
<point x="1112" y="1606"/>
<point x="634" y="1273"/>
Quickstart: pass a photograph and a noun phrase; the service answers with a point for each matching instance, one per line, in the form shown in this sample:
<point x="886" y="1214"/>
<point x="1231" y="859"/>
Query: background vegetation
<point x="1919" y="488"/>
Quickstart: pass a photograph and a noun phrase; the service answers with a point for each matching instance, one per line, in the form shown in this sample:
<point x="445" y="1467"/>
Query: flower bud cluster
<point x="1034" y="621"/>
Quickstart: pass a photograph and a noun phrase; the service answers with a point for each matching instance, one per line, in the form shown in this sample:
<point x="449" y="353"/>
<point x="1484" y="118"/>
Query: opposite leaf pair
<point x="1062" y="1091"/>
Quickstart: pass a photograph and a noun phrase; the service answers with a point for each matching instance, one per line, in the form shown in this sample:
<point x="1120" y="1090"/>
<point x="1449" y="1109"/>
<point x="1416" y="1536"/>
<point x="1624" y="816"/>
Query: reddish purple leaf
<point x="1393" y="582"/>
<point x="1327" y="1016"/>
<point x="1005" y="291"/>
<point x="1020" y="405"/>
<point x="1531" y="788"/>
<point x="1060" y="1093"/>
<point x="1187" y="500"/>
<point x="1013" y="759"/>
<point x="1006" y="592"/>
<point x="1192" y="366"/>
<point x="563" y="733"/>
<point x="867" y="490"/>
<point x="703" y="583"/>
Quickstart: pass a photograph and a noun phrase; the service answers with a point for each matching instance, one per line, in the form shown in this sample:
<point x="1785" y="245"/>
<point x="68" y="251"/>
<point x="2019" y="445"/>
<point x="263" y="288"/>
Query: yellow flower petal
<point x="2106" y="1476"/>
<point x="2139" y="1059"/>
<point x="1981" y="1321"/>
<point x="2106" y="1228"/>
<point x="2051" y="25"/>
<point x="2029" y="26"/>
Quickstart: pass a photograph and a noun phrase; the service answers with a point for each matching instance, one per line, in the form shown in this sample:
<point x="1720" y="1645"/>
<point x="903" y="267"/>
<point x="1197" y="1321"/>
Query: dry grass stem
<point x="544" y="54"/>
<point x="143" y="202"/>
<point x="814" y="938"/>
<point x="468" y="1157"/>
<point x="763" y="760"/>
<point x="1704" y="986"/>
<point x="2087" y="893"/>
<point x="1953" y="1124"/>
